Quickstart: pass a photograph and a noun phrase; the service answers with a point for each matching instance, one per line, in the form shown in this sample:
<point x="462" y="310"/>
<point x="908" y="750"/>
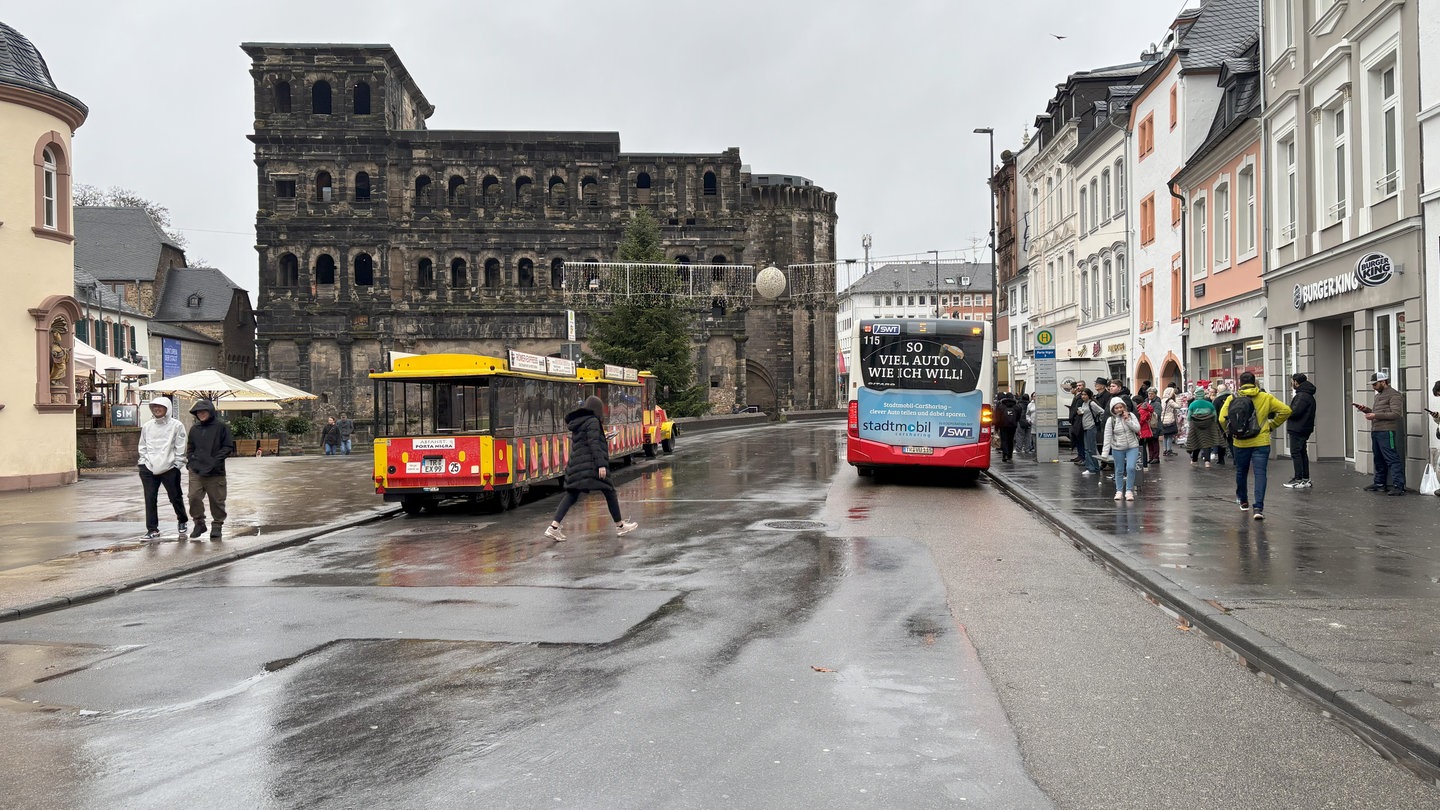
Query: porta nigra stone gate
<point x="376" y="234"/>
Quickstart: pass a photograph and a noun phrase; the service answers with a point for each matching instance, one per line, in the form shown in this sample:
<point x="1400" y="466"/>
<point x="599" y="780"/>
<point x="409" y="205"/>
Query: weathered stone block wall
<point x="109" y="447"/>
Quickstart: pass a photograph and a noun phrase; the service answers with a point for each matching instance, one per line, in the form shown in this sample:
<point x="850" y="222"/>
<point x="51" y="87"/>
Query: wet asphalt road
<point x="777" y="634"/>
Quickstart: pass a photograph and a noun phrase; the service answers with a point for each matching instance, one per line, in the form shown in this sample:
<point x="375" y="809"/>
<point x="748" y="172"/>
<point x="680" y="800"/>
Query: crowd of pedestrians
<point x="1118" y="434"/>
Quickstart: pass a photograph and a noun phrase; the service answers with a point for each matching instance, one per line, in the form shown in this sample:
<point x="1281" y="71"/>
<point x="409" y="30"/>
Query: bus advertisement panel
<point x="919" y="399"/>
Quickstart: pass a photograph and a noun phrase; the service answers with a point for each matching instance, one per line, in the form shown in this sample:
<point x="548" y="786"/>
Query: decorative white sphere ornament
<point x="770" y="282"/>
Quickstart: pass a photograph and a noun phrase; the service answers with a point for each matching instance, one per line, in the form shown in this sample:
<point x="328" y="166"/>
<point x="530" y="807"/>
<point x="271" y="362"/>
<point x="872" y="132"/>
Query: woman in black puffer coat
<point x="587" y="470"/>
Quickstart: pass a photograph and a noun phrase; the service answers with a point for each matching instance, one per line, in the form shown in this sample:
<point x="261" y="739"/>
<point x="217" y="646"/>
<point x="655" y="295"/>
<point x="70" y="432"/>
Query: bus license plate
<point x="432" y="465"/>
<point x="919" y="451"/>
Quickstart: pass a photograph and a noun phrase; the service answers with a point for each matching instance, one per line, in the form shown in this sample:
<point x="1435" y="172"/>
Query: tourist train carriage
<point x="488" y="429"/>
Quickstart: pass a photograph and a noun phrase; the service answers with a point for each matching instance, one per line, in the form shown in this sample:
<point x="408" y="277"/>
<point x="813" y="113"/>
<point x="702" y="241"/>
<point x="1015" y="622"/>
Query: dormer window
<point x="194" y="301"/>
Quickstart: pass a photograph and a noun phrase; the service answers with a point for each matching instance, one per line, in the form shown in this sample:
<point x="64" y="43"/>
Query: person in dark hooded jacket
<point x="1299" y="427"/>
<point x="206" y="449"/>
<point x="587" y="469"/>
<point x="1007" y="420"/>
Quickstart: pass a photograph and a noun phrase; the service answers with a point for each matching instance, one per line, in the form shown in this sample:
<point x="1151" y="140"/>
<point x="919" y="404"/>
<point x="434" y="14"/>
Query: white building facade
<point x="1344" y="272"/>
<point x="1103" y="338"/>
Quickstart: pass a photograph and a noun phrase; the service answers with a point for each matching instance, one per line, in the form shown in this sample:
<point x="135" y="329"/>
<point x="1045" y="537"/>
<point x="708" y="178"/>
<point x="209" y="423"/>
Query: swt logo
<point x="957" y="432"/>
<point x="886" y="329"/>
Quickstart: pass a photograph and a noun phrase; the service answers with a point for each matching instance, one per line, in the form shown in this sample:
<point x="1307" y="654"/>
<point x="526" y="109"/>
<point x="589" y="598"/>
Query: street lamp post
<point x="994" y="271"/>
<point x="937" y="282"/>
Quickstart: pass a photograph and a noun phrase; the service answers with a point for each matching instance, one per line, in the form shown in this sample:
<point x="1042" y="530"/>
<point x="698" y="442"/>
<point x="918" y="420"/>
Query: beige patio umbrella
<point x="229" y="403"/>
<point x="208" y="384"/>
<point x="285" y="393"/>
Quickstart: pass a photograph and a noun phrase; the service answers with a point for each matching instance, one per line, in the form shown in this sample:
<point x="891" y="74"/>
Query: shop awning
<point x="87" y="358"/>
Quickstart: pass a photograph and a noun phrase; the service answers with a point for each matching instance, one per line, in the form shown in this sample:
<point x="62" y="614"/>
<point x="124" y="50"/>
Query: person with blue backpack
<point x="1247" y="418"/>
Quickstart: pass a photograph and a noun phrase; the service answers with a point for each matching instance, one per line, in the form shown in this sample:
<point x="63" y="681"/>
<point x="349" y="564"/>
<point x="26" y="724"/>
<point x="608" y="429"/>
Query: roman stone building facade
<point x="376" y="234"/>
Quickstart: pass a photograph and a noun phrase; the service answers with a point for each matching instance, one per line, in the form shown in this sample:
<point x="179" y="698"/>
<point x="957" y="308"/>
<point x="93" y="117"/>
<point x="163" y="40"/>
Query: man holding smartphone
<point x="1386" y="415"/>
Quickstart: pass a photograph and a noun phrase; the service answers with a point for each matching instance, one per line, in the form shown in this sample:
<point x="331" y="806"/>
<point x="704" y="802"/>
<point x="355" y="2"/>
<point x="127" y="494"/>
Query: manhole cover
<point x="793" y="525"/>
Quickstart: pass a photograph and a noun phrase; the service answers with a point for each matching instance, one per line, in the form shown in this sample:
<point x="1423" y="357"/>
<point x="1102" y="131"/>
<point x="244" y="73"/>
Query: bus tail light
<point x="852" y="423"/>
<point x="987" y="416"/>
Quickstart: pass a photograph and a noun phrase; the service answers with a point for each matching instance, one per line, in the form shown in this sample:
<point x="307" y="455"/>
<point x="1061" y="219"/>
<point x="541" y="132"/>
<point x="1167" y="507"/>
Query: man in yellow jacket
<point x="1270" y="413"/>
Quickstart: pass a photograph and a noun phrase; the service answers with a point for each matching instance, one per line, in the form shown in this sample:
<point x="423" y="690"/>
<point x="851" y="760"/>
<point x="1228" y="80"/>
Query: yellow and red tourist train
<point x="488" y="429"/>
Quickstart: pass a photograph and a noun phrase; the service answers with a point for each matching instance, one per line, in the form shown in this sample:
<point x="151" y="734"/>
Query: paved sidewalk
<point x="83" y="541"/>
<point x="1335" y="594"/>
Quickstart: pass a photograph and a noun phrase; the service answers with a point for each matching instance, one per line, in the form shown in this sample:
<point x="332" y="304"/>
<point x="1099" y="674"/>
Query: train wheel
<point x="411" y="505"/>
<point x="667" y="445"/>
<point x="649" y="451"/>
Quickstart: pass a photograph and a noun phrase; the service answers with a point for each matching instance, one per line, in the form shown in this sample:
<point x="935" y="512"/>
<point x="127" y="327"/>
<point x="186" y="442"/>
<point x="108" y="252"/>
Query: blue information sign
<point x="1044" y="354"/>
<point x="170" y="357"/>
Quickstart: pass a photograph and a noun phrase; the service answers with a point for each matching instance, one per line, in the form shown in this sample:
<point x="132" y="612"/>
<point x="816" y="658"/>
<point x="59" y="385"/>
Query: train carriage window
<point x="507" y="403"/>
<point x="462" y="407"/>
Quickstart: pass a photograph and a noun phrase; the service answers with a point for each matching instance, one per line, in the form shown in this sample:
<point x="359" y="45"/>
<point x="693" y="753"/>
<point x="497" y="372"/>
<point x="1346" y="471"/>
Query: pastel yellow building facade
<point x="38" y="312"/>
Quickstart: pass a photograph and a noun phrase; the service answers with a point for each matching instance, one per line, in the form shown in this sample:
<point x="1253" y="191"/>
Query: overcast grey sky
<point x="875" y="100"/>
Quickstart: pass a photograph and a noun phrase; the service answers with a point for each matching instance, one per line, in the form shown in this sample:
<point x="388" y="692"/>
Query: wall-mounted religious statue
<point x="59" y="364"/>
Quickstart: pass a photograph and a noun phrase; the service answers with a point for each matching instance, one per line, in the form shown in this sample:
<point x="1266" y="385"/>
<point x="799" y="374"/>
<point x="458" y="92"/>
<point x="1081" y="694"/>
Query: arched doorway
<point x="1170" y="373"/>
<point x="1143" y="371"/>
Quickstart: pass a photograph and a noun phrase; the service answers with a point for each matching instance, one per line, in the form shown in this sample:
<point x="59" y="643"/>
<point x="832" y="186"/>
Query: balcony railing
<point x="1389" y="183"/>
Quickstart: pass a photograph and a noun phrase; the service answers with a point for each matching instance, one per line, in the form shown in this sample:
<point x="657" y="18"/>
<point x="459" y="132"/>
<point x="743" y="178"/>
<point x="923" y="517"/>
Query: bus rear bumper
<point x="865" y="453"/>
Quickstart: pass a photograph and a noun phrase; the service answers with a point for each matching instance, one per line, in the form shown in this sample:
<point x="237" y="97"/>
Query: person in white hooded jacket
<point x="162" y="456"/>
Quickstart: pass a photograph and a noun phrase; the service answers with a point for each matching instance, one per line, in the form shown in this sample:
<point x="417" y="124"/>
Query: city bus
<point x="918" y="396"/>
<point x="488" y="429"/>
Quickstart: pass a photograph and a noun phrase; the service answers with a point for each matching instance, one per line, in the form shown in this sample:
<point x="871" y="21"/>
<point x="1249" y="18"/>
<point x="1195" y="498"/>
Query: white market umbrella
<point x="87" y="358"/>
<point x="286" y="393"/>
<point x="228" y="403"/>
<point x="208" y="384"/>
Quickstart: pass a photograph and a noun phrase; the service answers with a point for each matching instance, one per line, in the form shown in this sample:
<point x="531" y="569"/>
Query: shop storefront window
<point x="1225" y="364"/>
<point x="1390" y="345"/>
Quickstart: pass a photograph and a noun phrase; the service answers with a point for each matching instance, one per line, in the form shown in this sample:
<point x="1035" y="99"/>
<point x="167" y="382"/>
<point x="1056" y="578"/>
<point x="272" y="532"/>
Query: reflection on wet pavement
<point x="732" y="624"/>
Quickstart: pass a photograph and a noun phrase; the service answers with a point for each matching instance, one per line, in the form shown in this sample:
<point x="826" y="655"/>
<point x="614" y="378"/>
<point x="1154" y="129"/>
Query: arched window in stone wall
<point x="425" y="274"/>
<point x="423" y="191"/>
<point x="590" y="191"/>
<point x="282" y="97"/>
<point x="524" y="191"/>
<point x="320" y="98"/>
<point x="526" y="274"/>
<point x="364" y="269"/>
<point x="559" y="193"/>
<point x="50" y="191"/>
<point x="459" y="274"/>
<point x="712" y="187"/>
<point x="717" y="274"/>
<point x="324" y="187"/>
<point x="325" y="269"/>
<point x="490" y="191"/>
<point x="455" y="192"/>
<point x="287" y="273"/>
<point x="362" y="187"/>
<point x="52" y="188"/>
<point x="557" y="274"/>
<point x="360" y="93"/>
<point x="492" y="274"/>
<point x="642" y="187"/>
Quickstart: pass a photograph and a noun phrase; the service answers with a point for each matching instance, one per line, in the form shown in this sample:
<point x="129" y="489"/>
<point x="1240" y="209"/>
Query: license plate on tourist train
<point x="918" y="451"/>
<point x="432" y="465"/>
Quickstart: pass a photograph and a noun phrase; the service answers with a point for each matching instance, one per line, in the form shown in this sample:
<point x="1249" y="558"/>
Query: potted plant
<point x="296" y="427"/>
<point x="266" y="425"/>
<point x="243" y="429"/>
